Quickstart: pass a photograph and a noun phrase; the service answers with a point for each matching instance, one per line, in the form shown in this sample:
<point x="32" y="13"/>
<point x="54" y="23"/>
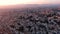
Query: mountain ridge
<point x="29" y="5"/>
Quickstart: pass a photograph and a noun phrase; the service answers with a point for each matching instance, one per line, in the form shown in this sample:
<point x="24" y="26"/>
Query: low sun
<point x="12" y="2"/>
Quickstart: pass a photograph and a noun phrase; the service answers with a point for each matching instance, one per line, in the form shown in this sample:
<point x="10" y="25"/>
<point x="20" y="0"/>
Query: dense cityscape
<point x="30" y="21"/>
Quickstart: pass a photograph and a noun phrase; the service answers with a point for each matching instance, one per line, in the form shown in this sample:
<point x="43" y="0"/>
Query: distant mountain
<point x="30" y="5"/>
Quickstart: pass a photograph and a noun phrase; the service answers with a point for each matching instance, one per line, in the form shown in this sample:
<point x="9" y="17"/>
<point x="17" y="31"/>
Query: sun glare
<point x="12" y="2"/>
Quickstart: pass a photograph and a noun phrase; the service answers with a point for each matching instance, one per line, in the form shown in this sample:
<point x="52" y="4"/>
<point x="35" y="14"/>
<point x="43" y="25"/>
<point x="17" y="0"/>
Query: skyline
<point x="15" y="2"/>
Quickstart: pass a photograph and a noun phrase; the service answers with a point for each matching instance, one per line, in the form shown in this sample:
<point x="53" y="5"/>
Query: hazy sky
<point x="12" y="2"/>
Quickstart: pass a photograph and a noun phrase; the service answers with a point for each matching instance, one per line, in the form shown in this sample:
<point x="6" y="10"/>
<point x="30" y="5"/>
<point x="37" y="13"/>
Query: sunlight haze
<point x="14" y="2"/>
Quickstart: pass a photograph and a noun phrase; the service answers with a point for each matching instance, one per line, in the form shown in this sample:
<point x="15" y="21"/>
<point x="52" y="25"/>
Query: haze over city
<point x="19" y="3"/>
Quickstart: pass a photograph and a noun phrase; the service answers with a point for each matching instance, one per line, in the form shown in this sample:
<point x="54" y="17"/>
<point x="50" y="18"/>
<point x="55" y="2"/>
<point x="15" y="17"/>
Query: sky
<point x="14" y="2"/>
